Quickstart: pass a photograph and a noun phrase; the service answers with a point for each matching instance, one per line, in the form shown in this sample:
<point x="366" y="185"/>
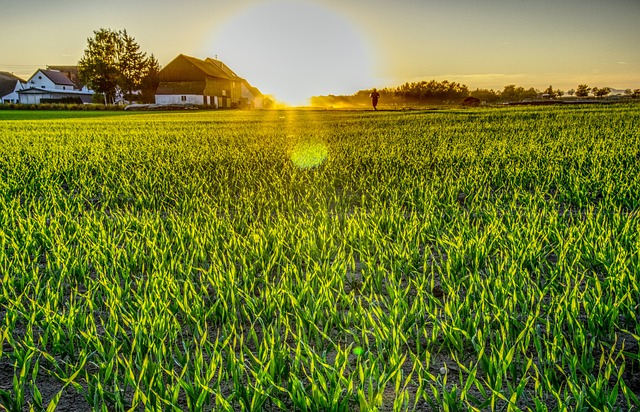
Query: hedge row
<point x="60" y="106"/>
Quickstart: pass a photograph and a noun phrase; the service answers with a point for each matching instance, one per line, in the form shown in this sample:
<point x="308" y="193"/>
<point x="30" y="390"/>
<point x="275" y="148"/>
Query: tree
<point x="432" y="91"/>
<point x="98" y="67"/>
<point x="601" y="92"/>
<point x="550" y="92"/>
<point x="571" y="92"/>
<point x="131" y="64"/>
<point x="583" y="90"/>
<point x="113" y="64"/>
<point x="485" y="95"/>
<point x="509" y="93"/>
<point x="150" y="80"/>
<point x="530" y="93"/>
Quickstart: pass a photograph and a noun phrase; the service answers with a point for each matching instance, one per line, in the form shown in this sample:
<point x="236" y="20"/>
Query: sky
<point x="297" y="49"/>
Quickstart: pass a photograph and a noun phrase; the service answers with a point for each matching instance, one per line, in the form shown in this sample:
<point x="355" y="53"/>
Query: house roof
<point x="57" y="77"/>
<point x="181" y="88"/>
<point x="8" y="83"/>
<point x="71" y="72"/>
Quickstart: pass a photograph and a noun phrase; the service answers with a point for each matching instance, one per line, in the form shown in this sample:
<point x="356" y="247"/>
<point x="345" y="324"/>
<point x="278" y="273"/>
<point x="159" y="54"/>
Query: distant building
<point x="48" y="86"/>
<point x="71" y="72"/>
<point x="9" y="87"/>
<point x="207" y="82"/>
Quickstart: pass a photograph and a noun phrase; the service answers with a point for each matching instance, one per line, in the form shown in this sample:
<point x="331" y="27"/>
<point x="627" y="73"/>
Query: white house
<point x="71" y="72"/>
<point x="9" y="87"/>
<point x="50" y="80"/>
<point x="51" y="86"/>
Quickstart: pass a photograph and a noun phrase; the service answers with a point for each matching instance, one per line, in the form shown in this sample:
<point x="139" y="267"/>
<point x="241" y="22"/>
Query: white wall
<point x="40" y="81"/>
<point x="32" y="98"/>
<point x="177" y="99"/>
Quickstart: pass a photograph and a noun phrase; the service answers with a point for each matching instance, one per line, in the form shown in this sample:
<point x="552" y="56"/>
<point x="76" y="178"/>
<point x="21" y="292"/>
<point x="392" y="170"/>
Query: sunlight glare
<point x="294" y="51"/>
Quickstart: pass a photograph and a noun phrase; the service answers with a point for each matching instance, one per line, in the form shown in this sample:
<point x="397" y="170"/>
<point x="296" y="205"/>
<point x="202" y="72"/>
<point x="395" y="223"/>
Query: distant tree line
<point x="418" y="92"/>
<point x="434" y="92"/>
<point x="114" y="66"/>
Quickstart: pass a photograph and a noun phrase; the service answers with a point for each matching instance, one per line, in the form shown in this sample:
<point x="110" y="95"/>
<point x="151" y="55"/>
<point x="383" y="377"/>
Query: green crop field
<point x="480" y="259"/>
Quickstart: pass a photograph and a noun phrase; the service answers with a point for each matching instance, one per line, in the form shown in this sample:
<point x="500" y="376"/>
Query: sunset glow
<point x="297" y="49"/>
<point x="294" y="50"/>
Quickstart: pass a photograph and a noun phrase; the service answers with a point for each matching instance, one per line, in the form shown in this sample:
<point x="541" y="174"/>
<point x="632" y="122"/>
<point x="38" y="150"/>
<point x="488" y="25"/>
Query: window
<point x="183" y="98"/>
<point x="224" y="92"/>
<point x="40" y="77"/>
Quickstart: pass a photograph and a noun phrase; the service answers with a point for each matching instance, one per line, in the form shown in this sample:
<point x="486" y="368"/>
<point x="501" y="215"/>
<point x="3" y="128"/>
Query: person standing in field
<point x="374" y="98"/>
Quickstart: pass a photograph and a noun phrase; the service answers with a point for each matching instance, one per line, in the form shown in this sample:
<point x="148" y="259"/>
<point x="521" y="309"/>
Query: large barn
<point x="207" y="82"/>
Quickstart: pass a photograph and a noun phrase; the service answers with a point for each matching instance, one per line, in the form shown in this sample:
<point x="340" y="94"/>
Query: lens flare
<point x="307" y="155"/>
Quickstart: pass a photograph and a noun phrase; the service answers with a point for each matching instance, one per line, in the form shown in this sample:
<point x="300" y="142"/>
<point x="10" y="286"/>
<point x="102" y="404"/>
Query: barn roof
<point x="8" y="83"/>
<point x="181" y="88"/>
<point x="207" y="67"/>
<point x="234" y="76"/>
<point x="9" y="76"/>
<point x="254" y="90"/>
<point x="210" y="68"/>
<point x="220" y="65"/>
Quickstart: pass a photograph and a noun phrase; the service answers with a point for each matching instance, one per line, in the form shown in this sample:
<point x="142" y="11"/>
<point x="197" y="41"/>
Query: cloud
<point x="621" y="62"/>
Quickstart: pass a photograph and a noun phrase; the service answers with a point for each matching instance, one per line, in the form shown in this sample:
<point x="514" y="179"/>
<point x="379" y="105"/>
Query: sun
<point x="294" y="51"/>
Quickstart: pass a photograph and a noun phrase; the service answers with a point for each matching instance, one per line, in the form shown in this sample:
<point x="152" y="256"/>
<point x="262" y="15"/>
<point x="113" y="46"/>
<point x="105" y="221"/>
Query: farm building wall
<point x="217" y="87"/>
<point x="34" y="96"/>
<point x="179" y="99"/>
<point x="40" y="81"/>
